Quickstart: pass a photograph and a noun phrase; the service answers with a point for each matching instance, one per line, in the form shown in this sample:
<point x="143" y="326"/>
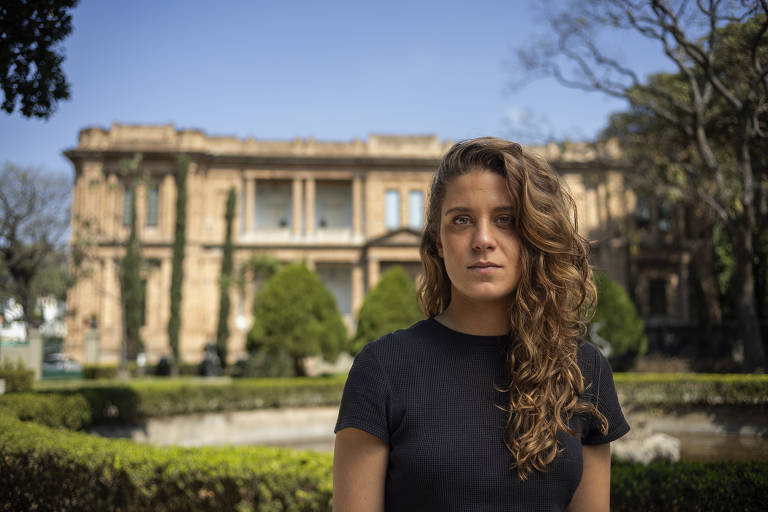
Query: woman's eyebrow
<point x="463" y="209"/>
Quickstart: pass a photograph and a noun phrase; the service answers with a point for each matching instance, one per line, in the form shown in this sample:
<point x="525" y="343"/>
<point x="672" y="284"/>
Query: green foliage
<point x="682" y="486"/>
<point x="617" y="322"/>
<point x="41" y="466"/>
<point x="179" y="246"/>
<point x="109" y="402"/>
<point x="34" y="218"/>
<point x="30" y="62"/>
<point x="671" y="390"/>
<point x="69" y="412"/>
<point x="16" y="376"/>
<point x="296" y="314"/>
<point x="131" y="288"/>
<point x="225" y="281"/>
<point x="392" y="304"/>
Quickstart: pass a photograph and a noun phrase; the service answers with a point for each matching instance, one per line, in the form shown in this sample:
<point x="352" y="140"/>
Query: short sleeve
<point x="601" y="391"/>
<point x="366" y="398"/>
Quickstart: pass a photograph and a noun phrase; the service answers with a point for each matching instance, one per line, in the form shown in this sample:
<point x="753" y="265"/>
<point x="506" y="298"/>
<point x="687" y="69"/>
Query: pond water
<point x="708" y="447"/>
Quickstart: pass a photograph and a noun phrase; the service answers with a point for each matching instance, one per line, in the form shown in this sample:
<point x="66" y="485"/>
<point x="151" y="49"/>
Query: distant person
<point x="494" y="402"/>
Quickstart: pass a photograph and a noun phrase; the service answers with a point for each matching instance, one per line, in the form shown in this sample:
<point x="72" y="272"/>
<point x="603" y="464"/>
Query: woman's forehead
<point x="478" y="186"/>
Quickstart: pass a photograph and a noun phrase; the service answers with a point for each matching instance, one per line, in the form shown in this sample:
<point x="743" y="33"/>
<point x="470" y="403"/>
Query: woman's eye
<point x="504" y="219"/>
<point x="461" y="219"/>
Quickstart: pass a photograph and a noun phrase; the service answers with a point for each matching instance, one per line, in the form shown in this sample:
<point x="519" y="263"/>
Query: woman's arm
<point x="594" y="491"/>
<point x="359" y="471"/>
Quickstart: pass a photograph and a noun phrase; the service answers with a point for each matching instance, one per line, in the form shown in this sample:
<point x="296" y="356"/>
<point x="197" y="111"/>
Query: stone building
<point x="350" y="210"/>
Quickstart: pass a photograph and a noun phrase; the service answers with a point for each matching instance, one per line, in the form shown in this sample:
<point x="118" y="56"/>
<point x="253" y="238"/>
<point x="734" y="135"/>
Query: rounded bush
<point x="296" y="314"/>
<point x="617" y="327"/>
<point x="392" y="304"/>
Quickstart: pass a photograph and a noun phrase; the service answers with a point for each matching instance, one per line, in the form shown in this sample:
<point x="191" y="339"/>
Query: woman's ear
<point x="439" y="246"/>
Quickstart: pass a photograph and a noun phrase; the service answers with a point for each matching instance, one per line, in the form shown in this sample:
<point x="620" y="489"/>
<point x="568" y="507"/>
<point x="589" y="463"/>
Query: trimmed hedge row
<point x="42" y="466"/>
<point x="128" y="403"/>
<point x="705" y="486"/>
<point x="664" y="389"/>
<point x="68" y="412"/>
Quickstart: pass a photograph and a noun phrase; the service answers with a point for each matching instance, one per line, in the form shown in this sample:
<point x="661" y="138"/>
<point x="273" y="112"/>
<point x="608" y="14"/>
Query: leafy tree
<point x="33" y="220"/>
<point x="225" y="281"/>
<point x="131" y="287"/>
<point x="31" y="32"/>
<point x="392" y="304"/>
<point x="296" y="314"/>
<point x="715" y="104"/>
<point x="179" y="246"/>
<point x="617" y="324"/>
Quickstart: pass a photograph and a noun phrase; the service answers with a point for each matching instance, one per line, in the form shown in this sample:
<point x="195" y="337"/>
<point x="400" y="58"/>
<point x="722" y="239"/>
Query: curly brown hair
<point x="551" y="304"/>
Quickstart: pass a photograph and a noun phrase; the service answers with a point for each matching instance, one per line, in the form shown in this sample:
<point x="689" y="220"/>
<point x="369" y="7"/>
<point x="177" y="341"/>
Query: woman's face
<point x="477" y="239"/>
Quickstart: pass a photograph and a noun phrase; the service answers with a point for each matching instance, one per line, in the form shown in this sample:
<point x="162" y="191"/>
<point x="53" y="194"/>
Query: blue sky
<point x="333" y="70"/>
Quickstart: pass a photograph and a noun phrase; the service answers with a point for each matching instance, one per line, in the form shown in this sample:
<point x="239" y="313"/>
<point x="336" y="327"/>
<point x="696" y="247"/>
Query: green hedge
<point x="16" y="376"/>
<point x="74" y="471"/>
<point x="68" y="412"/>
<point x="41" y="466"/>
<point x="705" y="486"/>
<point x="127" y="403"/>
<point x="664" y="389"/>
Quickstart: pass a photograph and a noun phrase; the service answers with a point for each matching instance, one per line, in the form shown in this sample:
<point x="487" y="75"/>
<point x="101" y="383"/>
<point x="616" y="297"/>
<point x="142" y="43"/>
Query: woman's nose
<point x="483" y="237"/>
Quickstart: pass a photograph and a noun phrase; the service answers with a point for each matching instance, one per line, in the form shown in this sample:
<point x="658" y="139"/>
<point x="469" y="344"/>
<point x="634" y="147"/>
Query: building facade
<point x="350" y="210"/>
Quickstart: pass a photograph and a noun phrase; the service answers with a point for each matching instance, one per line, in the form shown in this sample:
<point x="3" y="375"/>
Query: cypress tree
<point x="179" y="244"/>
<point x="131" y="288"/>
<point x="225" y="279"/>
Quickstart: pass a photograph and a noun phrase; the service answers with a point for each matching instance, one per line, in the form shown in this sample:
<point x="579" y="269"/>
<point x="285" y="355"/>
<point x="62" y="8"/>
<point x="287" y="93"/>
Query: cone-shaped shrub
<point x="391" y="305"/>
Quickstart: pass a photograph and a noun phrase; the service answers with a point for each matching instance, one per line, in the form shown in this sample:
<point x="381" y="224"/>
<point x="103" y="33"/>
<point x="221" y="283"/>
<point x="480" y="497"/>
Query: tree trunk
<point x="702" y="231"/>
<point x="749" y="326"/>
<point x="298" y="366"/>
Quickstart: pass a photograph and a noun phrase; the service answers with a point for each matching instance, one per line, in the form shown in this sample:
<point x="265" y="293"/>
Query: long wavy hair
<point x="551" y="304"/>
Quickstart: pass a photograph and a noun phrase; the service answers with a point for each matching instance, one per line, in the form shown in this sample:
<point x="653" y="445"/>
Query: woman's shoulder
<point x="401" y="339"/>
<point x="591" y="361"/>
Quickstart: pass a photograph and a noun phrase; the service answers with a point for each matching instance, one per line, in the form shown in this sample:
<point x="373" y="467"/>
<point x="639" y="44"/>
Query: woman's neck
<point x="478" y="318"/>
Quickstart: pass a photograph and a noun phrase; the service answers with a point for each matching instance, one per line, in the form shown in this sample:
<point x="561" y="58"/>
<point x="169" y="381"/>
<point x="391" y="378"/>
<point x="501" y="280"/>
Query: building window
<point x="333" y="204"/>
<point x="658" y="297"/>
<point x="153" y="194"/>
<point x="274" y="204"/>
<point x="127" y="204"/>
<point x="664" y="222"/>
<point x="415" y="209"/>
<point x="643" y="213"/>
<point x="392" y="209"/>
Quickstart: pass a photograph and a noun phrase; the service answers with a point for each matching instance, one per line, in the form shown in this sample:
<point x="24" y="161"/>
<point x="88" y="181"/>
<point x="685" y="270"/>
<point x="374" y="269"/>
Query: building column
<point x="250" y="206"/>
<point x="373" y="273"/>
<point x="309" y="211"/>
<point x="358" y="288"/>
<point x="297" y="203"/>
<point x="357" y="207"/>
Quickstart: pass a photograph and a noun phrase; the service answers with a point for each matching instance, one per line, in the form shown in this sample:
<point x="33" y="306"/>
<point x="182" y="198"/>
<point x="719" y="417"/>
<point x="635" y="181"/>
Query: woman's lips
<point x="484" y="267"/>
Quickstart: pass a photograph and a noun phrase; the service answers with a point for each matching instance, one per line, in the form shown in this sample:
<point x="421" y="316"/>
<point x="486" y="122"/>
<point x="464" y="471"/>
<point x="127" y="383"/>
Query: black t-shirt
<point x="428" y="391"/>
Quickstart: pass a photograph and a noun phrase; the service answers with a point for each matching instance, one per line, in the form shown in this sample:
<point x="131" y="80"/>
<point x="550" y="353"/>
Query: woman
<point x="492" y="403"/>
